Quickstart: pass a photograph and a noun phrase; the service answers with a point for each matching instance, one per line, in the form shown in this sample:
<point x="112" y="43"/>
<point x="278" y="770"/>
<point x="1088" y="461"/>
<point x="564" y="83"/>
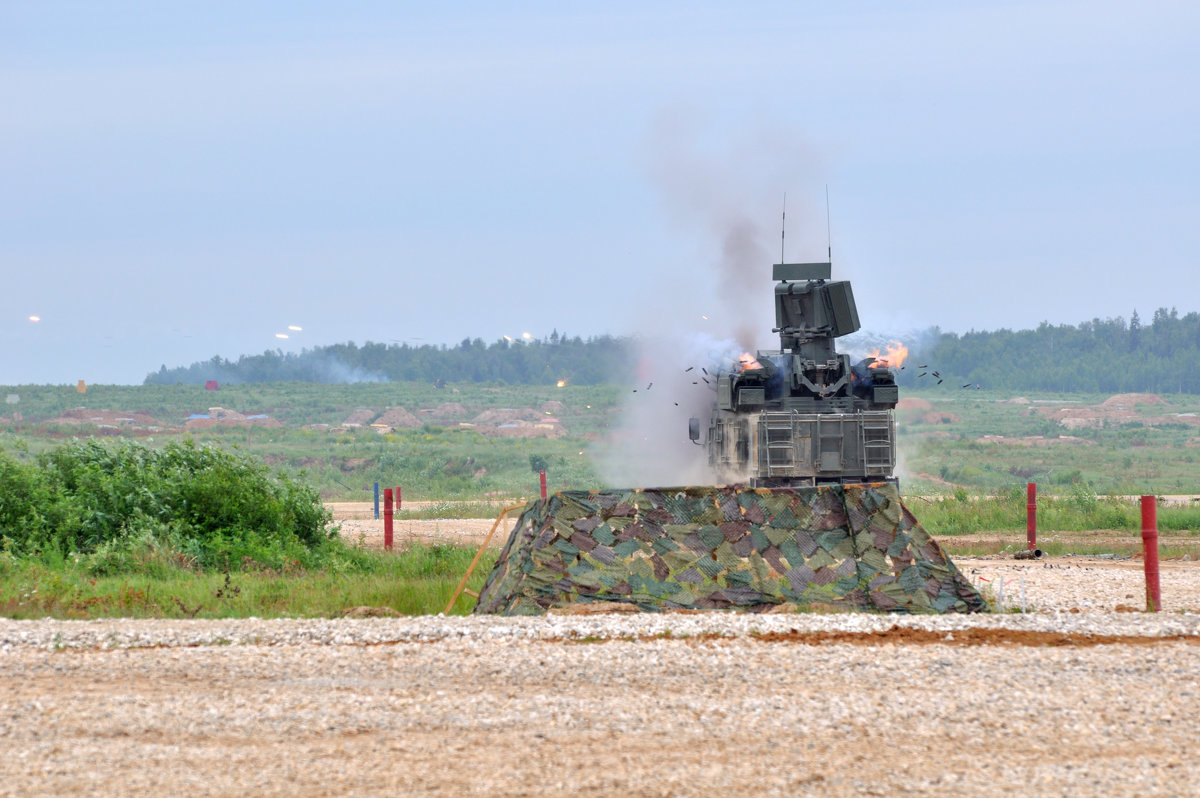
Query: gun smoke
<point x="650" y="446"/>
<point x="726" y="203"/>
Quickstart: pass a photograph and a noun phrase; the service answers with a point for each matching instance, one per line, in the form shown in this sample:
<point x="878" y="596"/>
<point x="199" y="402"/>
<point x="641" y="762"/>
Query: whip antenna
<point x="783" y="229"/>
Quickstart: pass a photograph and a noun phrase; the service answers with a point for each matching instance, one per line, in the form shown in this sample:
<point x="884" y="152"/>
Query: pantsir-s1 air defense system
<point x="820" y="524"/>
<point x="803" y="415"/>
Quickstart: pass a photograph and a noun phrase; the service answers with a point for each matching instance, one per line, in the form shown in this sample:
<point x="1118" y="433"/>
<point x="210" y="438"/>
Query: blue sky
<point x="186" y="181"/>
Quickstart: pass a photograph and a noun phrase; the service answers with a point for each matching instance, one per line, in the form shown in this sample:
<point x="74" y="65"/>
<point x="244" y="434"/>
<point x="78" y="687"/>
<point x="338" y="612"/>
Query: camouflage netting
<point x="853" y="547"/>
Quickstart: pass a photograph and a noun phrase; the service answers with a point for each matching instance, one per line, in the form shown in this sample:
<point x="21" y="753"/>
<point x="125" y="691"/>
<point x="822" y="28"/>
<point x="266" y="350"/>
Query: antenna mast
<point x="783" y="229"/>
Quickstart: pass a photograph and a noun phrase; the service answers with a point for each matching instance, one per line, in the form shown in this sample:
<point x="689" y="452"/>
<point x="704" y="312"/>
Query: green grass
<point x="431" y="462"/>
<point x="959" y="445"/>
<point x="416" y="580"/>
<point x="1080" y="510"/>
<point x="300" y="403"/>
<point x="956" y="479"/>
<point x="452" y="462"/>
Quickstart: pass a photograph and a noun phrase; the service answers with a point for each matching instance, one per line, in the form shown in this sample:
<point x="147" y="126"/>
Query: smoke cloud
<point x="726" y="199"/>
<point x="334" y="370"/>
<point x="676" y="380"/>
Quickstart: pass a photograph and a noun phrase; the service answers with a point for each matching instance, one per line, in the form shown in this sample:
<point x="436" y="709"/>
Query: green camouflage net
<point x="851" y="547"/>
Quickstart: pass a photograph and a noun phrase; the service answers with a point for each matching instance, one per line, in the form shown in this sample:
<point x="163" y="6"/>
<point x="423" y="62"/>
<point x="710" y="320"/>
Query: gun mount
<point x="803" y="414"/>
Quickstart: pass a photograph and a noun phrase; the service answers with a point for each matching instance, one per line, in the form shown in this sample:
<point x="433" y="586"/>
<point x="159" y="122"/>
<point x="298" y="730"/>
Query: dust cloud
<point x="676" y="380"/>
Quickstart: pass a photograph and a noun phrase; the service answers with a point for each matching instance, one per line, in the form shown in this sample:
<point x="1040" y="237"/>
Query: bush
<point x="124" y="502"/>
<point x="1069" y="477"/>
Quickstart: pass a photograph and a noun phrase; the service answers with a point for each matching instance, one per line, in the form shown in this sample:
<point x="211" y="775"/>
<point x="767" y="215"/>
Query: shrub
<point x="119" y="503"/>
<point x="1069" y="477"/>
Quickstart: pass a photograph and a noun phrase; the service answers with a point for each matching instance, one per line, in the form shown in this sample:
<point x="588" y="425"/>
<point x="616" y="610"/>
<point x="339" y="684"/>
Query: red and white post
<point x="1150" y="552"/>
<point x="388" y="515"/>
<point x="542" y="482"/>
<point x="1031" y="514"/>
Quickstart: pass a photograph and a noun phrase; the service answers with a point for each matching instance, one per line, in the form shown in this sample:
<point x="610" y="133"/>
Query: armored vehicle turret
<point x="803" y="414"/>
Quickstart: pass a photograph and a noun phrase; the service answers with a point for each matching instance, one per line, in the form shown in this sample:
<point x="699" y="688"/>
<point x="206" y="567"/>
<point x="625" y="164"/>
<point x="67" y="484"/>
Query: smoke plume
<point x="725" y="199"/>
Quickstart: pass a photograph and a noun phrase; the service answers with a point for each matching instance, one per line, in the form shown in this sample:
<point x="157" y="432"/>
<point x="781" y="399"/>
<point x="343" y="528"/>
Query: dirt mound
<point x="108" y="419"/>
<point x="447" y="411"/>
<point x="1036" y="440"/>
<point x="507" y="422"/>
<point x="913" y="403"/>
<point x="940" y="418"/>
<point x="223" y="417"/>
<point x="524" y="429"/>
<point x="504" y="415"/>
<point x="398" y="417"/>
<point x="1127" y="399"/>
<point x="359" y="418"/>
<point x="1117" y="410"/>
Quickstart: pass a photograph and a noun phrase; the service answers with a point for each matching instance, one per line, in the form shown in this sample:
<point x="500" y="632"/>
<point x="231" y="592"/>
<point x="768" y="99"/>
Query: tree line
<point x="1098" y="356"/>
<point x="536" y="362"/>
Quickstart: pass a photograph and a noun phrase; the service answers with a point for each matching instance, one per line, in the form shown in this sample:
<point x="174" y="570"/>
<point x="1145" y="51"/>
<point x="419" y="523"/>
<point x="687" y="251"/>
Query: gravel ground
<point x="1081" y="696"/>
<point x="1082" y="584"/>
<point x="699" y="704"/>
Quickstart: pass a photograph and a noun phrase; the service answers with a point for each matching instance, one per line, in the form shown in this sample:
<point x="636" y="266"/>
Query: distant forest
<point x="1097" y="356"/>
<point x="536" y="362"/>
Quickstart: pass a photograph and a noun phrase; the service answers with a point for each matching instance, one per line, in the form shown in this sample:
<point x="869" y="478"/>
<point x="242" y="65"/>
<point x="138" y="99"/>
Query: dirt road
<point x="358" y="525"/>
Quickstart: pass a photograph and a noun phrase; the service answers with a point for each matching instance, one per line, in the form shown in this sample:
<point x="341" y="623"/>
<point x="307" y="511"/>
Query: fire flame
<point x="893" y="358"/>
<point x="747" y="362"/>
<point x="561" y="383"/>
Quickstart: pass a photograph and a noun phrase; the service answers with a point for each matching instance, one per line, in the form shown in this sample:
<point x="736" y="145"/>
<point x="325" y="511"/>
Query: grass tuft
<point x="417" y="580"/>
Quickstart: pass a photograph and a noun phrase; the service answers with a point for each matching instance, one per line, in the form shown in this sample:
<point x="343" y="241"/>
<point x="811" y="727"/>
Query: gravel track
<point x="602" y="705"/>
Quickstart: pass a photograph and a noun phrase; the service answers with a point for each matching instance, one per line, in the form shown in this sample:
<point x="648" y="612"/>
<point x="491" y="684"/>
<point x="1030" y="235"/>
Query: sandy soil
<point x="358" y="526"/>
<point x="464" y="530"/>
<point x="364" y="511"/>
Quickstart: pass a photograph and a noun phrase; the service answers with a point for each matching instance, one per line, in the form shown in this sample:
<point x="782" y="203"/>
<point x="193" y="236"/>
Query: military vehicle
<point x="820" y="524"/>
<point x="803" y="415"/>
